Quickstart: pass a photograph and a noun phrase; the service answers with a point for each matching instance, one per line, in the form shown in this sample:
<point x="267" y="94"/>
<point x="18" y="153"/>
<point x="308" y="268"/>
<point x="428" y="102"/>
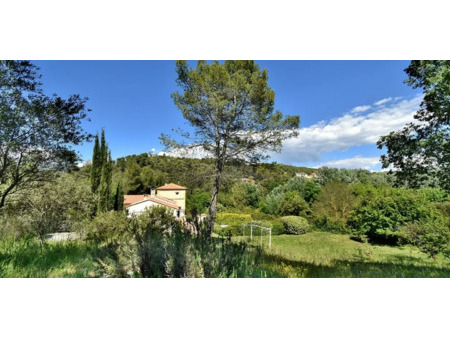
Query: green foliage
<point x="28" y="259"/>
<point x="60" y="205"/>
<point x="324" y="222"/>
<point x="133" y="181"/>
<point x="231" y="109"/>
<point x="244" y="194"/>
<point x="294" y="204"/>
<point x="96" y="167"/>
<point x="277" y="227"/>
<point x="232" y="218"/>
<point x="353" y="176"/>
<point x="118" y="197"/>
<point x="289" y="198"/>
<point x="154" y="244"/>
<point x="295" y="225"/>
<point x="333" y="207"/>
<point x="434" y="195"/>
<point x="420" y="151"/>
<point x="310" y="192"/>
<point x="444" y="208"/>
<point x="431" y="237"/>
<point x="37" y="131"/>
<point x="105" y="228"/>
<point x="197" y="203"/>
<point x="105" y="202"/>
<point x="380" y="217"/>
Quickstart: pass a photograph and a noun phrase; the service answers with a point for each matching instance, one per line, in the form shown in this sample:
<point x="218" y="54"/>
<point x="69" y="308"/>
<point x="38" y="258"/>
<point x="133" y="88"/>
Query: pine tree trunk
<point x="213" y="204"/>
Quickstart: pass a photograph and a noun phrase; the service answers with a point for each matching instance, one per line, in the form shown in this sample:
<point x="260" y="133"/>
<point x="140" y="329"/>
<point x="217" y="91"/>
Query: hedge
<point x="295" y="225"/>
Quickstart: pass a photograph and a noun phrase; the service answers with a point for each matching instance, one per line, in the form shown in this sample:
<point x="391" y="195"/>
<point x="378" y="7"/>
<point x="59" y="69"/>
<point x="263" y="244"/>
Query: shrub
<point x="258" y="215"/>
<point x="232" y="218"/>
<point x="380" y="217"/>
<point x="227" y="230"/>
<point x="107" y="227"/>
<point x="277" y="227"/>
<point x="434" y="195"/>
<point x="331" y="224"/>
<point x="444" y="208"/>
<point x="294" y="204"/>
<point x="295" y="225"/>
<point x="154" y="244"/>
<point x="431" y="237"/>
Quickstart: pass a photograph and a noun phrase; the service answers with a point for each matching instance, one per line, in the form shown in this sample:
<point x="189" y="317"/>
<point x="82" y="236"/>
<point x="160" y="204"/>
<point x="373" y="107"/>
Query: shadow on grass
<point x="279" y="266"/>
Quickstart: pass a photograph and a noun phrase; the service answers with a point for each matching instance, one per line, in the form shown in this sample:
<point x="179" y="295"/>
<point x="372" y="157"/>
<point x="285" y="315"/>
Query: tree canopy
<point x="36" y="130"/>
<point x="421" y="150"/>
<point x="231" y="109"/>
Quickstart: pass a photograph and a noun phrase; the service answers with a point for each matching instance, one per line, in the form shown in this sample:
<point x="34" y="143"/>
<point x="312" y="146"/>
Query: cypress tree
<point x="118" y="197"/>
<point x="104" y="190"/>
<point x="96" y="169"/>
<point x="103" y="149"/>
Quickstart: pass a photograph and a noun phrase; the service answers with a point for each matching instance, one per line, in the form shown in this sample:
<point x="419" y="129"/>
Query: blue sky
<point x="344" y="106"/>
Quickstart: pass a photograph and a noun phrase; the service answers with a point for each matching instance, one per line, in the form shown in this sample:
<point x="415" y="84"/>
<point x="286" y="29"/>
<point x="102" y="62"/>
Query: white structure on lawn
<point x="171" y="196"/>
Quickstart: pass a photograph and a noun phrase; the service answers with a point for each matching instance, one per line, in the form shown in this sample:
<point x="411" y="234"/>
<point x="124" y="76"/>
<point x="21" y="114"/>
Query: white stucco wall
<point x="138" y="208"/>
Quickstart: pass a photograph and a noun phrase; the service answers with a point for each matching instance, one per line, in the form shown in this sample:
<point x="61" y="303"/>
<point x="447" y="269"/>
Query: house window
<point x="177" y="193"/>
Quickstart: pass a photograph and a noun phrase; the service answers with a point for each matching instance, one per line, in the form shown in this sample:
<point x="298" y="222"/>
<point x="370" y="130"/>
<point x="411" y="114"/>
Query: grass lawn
<point x="60" y="259"/>
<point x="321" y="254"/>
<point x="315" y="254"/>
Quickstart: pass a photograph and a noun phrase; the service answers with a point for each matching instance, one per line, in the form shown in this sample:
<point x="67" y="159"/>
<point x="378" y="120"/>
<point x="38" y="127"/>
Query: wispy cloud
<point x="191" y="152"/>
<point x="346" y="131"/>
<point x="357" y="162"/>
<point x="383" y="101"/>
<point x="360" y="109"/>
<point x="339" y="134"/>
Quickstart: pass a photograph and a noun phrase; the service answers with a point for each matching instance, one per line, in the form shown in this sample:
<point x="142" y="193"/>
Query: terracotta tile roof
<point x="130" y="199"/>
<point x="134" y="199"/>
<point x="171" y="186"/>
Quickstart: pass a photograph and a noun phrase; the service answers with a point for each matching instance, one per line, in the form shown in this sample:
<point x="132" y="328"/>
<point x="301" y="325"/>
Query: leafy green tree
<point x="431" y="237"/>
<point x="310" y="192"/>
<point x="36" y="131"/>
<point x="96" y="168"/>
<point x="231" y="109"/>
<point x="133" y="182"/>
<point x="63" y="204"/>
<point x="381" y="217"/>
<point x="422" y="148"/>
<point x="294" y="204"/>
<point x="335" y="202"/>
<point x="243" y="194"/>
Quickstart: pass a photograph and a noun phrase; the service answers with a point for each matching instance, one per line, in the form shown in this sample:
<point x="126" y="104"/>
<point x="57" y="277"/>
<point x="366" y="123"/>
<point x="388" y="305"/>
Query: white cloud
<point x="346" y="131"/>
<point x="383" y="101"/>
<point x="338" y="134"/>
<point x="192" y="152"/>
<point x="357" y="162"/>
<point x="360" y="109"/>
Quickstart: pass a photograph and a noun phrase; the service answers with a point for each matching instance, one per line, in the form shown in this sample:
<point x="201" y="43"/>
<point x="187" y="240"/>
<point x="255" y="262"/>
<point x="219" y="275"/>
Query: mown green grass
<point x="321" y="254"/>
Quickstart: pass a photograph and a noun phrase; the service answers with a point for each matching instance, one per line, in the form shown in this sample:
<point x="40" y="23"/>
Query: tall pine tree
<point x="96" y="169"/>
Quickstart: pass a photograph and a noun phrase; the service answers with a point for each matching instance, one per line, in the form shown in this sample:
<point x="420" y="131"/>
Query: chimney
<point x="152" y="191"/>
